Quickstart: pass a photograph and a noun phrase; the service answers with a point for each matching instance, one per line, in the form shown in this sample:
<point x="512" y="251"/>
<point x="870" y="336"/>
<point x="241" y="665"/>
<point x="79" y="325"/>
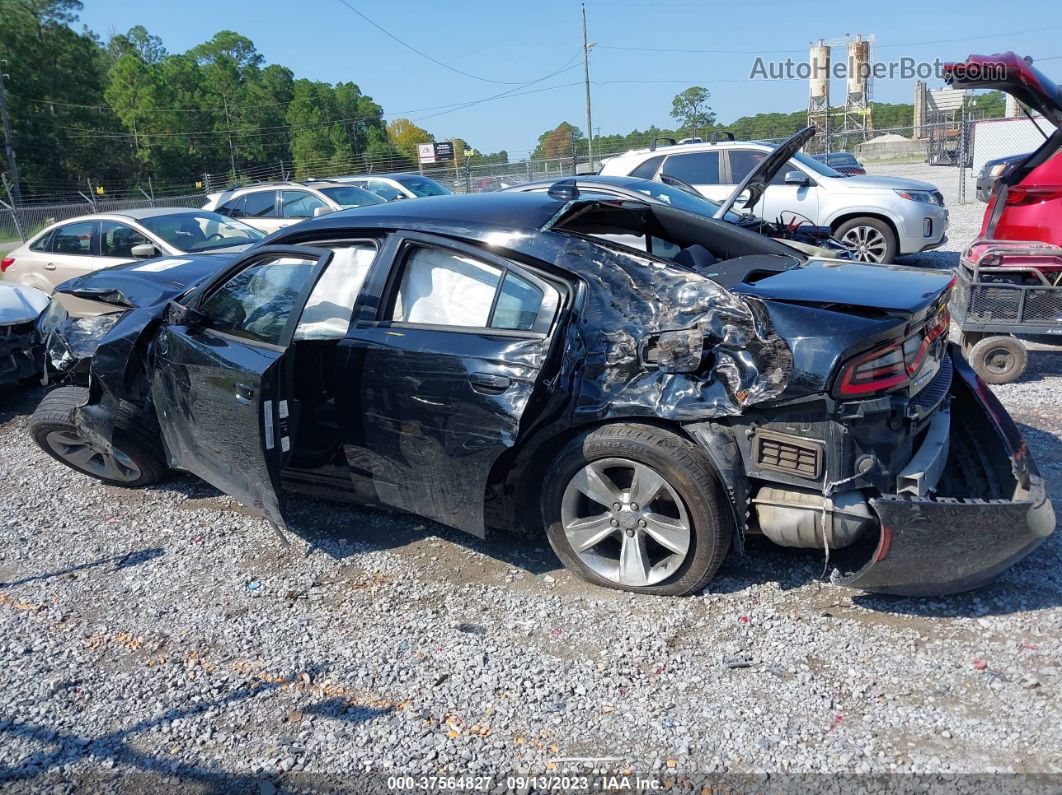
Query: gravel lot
<point x="166" y="632"/>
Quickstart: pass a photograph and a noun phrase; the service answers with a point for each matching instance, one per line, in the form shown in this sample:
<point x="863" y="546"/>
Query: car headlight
<point x="69" y="340"/>
<point x="923" y="196"/>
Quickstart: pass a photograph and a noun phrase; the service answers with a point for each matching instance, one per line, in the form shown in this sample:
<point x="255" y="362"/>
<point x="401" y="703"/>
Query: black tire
<point x="999" y="359"/>
<point x="852" y="227"/>
<point x="136" y="438"/>
<point x="685" y="469"/>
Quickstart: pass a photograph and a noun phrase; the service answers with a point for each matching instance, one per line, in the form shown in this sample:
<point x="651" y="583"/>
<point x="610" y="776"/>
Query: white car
<point x="19" y="309"/>
<point x="270" y="206"/>
<point x="876" y="217"/>
<point x="391" y="187"/>
<point x="92" y="242"/>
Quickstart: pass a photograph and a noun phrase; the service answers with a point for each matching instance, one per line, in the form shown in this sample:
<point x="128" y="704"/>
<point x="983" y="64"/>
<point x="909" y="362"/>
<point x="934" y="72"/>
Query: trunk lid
<point x="1012" y="74"/>
<point x="846" y="286"/>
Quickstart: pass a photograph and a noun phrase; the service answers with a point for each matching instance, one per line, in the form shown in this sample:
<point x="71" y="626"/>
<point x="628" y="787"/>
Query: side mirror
<point x="181" y="315"/>
<point x="797" y="178"/>
<point x="399" y="197"/>
<point x="319" y="211"/>
<point x="143" y="250"/>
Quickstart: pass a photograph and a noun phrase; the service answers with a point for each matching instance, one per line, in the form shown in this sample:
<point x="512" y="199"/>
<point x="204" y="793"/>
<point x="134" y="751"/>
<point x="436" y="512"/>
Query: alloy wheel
<point x="625" y="522"/>
<point x="82" y="454"/>
<point x="866" y="243"/>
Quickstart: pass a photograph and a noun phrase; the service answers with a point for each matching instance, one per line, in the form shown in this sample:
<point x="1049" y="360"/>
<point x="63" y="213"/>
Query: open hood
<point x="1012" y="74"/>
<point x="757" y="180"/>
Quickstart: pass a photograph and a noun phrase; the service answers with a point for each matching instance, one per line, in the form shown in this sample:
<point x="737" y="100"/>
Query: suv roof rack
<point x="652" y="144"/>
<point x="714" y="137"/>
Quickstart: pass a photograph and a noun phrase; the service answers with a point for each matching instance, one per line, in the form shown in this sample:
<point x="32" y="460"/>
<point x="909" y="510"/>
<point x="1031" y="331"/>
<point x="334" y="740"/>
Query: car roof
<point x="140" y="213"/>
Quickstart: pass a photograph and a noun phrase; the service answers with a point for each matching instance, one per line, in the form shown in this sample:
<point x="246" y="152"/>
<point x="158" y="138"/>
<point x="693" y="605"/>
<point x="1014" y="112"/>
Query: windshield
<point x="422" y="186"/>
<point x="201" y="231"/>
<point x="816" y="166"/>
<point x="349" y="196"/>
<point x="680" y="199"/>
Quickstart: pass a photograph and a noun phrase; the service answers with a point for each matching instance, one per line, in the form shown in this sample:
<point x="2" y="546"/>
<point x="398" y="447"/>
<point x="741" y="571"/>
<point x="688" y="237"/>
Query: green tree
<point x="562" y="141"/>
<point x="691" y="109"/>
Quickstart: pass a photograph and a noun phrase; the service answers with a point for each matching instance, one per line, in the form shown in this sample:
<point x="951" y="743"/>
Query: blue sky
<point x="517" y="43"/>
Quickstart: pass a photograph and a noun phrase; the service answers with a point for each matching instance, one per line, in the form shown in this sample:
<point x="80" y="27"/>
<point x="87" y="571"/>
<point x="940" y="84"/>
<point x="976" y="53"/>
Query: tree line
<point x="125" y="111"/>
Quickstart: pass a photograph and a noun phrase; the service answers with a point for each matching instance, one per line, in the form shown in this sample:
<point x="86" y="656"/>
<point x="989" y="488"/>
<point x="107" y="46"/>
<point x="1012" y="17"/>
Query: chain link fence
<point x="946" y="155"/>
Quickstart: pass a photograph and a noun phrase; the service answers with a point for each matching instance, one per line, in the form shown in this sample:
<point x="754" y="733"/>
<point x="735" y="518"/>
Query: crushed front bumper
<point x="19" y="352"/>
<point x="941" y="545"/>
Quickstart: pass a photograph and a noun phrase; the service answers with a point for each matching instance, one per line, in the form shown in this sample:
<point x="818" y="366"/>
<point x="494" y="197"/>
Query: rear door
<point x="779" y="200"/>
<point x="74" y="252"/>
<point x="699" y="169"/>
<point x="447" y="363"/>
<point x="259" y="209"/>
<point x="221" y="379"/>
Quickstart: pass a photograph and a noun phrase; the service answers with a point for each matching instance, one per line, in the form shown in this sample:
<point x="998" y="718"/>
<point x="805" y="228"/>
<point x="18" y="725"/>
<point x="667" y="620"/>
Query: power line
<point x="434" y="60"/>
<point x="786" y="52"/>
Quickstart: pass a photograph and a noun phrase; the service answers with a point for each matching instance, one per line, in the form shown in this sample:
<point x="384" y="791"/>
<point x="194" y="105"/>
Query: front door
<point x="699" y="169"/>
<point x="446" y="366"/>
<point x="220" y="377"/>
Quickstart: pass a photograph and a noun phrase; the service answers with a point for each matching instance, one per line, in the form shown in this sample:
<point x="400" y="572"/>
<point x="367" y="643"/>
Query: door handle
<point x="49" y="266"/>
<point x="244" y="394"/>
<point x="490" y="383"/>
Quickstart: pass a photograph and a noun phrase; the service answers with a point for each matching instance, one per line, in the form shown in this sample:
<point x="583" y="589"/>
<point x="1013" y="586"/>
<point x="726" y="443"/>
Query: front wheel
<point x="637" y="508"/>
<point x="869" y="239"/>
<point x="134" y="459"/>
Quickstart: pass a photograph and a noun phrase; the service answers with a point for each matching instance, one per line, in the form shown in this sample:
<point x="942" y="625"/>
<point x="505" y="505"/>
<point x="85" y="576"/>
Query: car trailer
<point x="1006" y="293"/>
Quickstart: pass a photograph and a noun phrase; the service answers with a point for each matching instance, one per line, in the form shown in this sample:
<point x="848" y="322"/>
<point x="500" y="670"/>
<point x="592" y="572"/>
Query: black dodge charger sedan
<point x="645" y="386"/>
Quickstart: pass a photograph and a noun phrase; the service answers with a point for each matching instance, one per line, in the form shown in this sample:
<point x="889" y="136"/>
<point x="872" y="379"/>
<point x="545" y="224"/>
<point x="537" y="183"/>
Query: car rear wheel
<point x="637" y="508"/>
<point x="134" y="459"/>
<point x="869" y="239"/>
<point x="999" y="359"/>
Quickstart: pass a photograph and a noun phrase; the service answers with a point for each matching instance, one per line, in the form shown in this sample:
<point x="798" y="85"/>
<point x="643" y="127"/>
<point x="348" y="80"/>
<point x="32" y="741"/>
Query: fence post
<point x="13" y="208"/>
<point x="961" y="192"/>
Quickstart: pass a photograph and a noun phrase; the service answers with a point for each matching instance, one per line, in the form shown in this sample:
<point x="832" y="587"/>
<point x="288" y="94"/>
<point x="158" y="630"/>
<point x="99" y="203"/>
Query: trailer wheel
<point x="999" y="359"/>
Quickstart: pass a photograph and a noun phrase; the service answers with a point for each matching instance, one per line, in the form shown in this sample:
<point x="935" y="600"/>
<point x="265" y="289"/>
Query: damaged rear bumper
<point x="947" y="544"/>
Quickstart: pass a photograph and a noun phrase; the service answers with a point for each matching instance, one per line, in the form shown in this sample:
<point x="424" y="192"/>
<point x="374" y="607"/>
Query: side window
<point x="117" y="240"/>
<point x="331" y="304"/>
<point x="696" y="168"/>
<point x="233" y="208"/>
<point x="74" y="238"/>
<point x="257" y="302"/>
<point x="299" y="204"/>
<point x="647" y="170"/>
<point x="518" y="304"/>
<point x="261" y="204"/>
<point x="44" y="242"/>
<point x="384" y="189"/>
<point x="446" y="288"/>
<point x="742" y="161"/>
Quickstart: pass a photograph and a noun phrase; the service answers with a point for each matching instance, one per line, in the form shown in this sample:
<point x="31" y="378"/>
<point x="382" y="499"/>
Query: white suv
<point x="270" y="206"/>
<point x="876" y="217"/>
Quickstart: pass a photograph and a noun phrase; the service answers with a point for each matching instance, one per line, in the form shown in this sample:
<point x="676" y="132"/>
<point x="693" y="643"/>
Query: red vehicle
<point x="1026" y="202"/>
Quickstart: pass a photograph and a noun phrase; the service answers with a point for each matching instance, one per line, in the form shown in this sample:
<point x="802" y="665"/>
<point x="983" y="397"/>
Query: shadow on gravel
<point x="119" y="561"/>
<point x="342" y="530"/>
<point x="18" y="401"/>
<point x="149" y="769"/>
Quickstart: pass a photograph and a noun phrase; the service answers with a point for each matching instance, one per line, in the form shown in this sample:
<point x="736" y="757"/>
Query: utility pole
<point x="586" y="81"/>
<point x="9" y="145"/>
<point x="228" y="126"/>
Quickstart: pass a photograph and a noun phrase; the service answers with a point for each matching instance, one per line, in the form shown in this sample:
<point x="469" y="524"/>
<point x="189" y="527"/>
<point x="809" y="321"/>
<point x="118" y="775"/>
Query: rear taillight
<point x="1020" y="195"/>
<point x="6" y="263"/>
<point x="892" y="365"/>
